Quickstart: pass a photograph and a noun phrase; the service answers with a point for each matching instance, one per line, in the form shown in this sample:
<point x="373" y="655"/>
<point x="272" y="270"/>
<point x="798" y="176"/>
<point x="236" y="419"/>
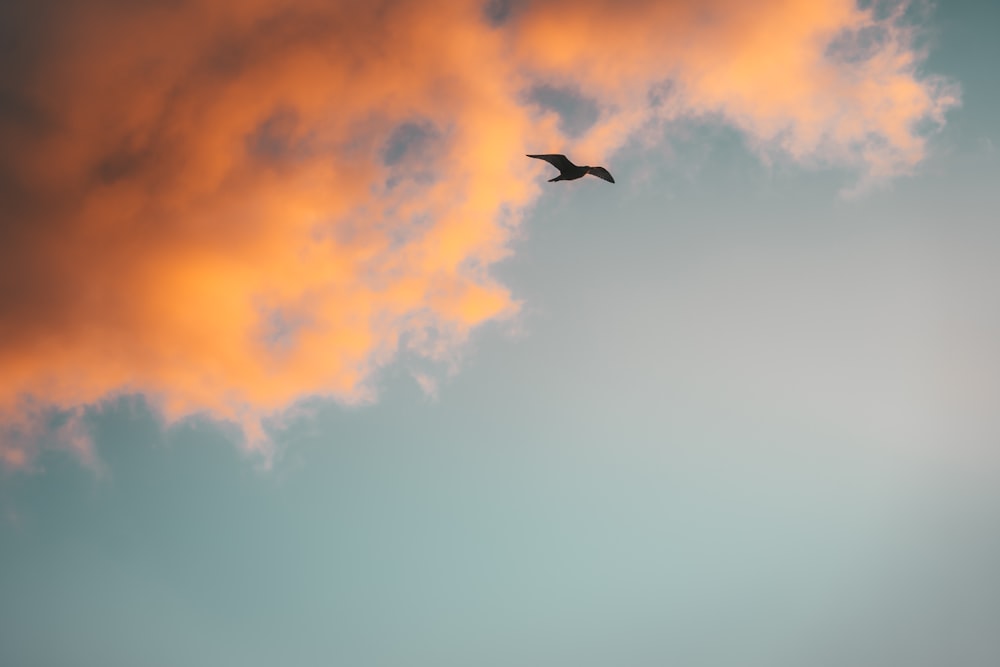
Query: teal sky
<point x="741" y="420"/>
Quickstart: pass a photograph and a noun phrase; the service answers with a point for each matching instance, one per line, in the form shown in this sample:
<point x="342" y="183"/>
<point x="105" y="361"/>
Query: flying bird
<point x="570" y="172"/>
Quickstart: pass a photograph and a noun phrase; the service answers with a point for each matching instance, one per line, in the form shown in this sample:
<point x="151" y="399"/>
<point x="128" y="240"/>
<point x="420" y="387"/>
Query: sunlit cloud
<point x="229" y="207"/>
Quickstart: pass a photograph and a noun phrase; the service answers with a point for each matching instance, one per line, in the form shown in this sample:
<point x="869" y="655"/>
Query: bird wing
<point x="601" y="172"/>
<point x="560" y="162"/>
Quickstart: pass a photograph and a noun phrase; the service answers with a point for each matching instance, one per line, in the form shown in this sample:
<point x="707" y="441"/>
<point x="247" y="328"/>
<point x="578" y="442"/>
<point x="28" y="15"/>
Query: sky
<point x="302" y="361"/>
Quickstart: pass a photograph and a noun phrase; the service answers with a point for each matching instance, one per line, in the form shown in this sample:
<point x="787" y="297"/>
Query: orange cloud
<point x="230" y="206"/>
<point x="821" y="81"/>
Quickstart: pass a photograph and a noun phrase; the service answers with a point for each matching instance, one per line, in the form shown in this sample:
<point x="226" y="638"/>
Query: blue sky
<point x="738" y="419"/>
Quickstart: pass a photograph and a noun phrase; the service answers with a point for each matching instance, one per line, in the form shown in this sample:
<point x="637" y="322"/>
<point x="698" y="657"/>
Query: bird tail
<point x="557" y="178"/>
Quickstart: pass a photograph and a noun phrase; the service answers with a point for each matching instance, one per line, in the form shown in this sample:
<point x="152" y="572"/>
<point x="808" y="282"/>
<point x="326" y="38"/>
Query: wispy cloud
<point x="231" y="206"/>
<point x="821" y="82"/>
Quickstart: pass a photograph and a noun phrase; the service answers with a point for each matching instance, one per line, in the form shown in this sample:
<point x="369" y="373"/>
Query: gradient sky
<point x="303" y="362"/>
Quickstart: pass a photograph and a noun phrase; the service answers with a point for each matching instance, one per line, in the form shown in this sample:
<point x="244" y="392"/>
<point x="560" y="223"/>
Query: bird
<point x="569" y="171"/>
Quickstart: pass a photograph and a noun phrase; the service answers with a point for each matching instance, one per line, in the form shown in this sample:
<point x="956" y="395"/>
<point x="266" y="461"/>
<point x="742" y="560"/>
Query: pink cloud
<point x="232" y="206"/>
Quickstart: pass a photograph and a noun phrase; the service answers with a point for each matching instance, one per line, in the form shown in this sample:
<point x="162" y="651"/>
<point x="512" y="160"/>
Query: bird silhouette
<point x="569" y="171"/>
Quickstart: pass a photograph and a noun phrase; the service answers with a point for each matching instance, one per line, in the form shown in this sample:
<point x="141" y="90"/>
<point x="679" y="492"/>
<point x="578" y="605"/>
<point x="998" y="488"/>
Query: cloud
<point x="34" y="426"/>
<point x="231" y="206"/>
<point x="823" y="82"/>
